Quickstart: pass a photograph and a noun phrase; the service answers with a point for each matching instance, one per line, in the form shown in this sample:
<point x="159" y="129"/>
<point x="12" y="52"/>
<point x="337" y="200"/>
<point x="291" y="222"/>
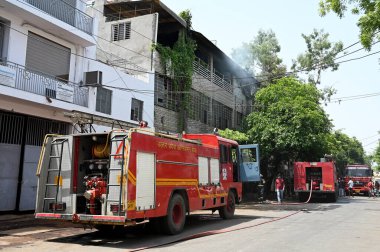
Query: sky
<point x="230" y="23"/>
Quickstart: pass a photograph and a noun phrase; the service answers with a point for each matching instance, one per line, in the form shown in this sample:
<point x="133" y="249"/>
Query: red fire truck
<point x="360" y="175"/>
<point x="320" y="177"/>
<point x="123" y="178"/>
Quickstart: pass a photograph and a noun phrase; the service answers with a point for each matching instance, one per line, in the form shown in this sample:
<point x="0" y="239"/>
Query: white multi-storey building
<point x="51" y="82"/>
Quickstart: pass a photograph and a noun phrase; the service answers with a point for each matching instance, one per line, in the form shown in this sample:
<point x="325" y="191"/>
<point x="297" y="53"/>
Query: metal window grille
<point x="136" y="110"/>
<point x="222" y="115"/>
<point x="165" y="96"/>
<point x="11" y="128"/>
<point x="121" y="31"/>
<point x="200" y="106"/>
<point x="37" y="128"/>
<point x="239" y="118"/>
<point x="104" y="100"/>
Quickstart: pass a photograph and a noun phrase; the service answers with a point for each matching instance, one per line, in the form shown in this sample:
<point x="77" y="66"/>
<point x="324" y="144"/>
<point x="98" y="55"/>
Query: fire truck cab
<point x="123" y="178"/>
<point x="360" y="175"/>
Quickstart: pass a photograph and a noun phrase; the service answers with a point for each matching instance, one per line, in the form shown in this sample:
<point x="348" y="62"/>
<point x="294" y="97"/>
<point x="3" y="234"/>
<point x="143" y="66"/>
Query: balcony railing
<point x="18" y="77"/>
<point x="202" y="70"/>
<point x="65" y="12"/>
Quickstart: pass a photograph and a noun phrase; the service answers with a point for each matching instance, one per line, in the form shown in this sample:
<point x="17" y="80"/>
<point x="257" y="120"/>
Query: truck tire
<point x="228" y="211"/>
<point x="174" y="221"/>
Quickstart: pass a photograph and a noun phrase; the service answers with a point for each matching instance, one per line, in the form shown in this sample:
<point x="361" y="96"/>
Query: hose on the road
<point x="300" y="203"/>
<point x="213" y="232"/>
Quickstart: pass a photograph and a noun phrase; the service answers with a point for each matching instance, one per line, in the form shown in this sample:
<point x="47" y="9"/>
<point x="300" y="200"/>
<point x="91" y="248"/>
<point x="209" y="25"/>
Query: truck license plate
<point x="357" y="191"/>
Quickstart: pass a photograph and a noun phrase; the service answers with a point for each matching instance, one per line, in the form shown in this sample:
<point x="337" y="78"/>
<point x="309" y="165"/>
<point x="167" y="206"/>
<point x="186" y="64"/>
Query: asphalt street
<point x="350" y="224"/>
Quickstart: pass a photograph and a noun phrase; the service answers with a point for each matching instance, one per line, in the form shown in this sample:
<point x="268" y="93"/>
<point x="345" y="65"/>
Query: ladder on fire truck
<point x="115" y="195"/>
<point x="56" y="151"/>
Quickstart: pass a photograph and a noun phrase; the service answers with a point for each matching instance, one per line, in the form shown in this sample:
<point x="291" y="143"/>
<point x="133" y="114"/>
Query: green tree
<point x="318" y="57"/>
<point x="345" y="150"/>
<point x="261" y="53"/>
<point x="288" y="122"/>
<point x="238" y="136"/>
<point x="368" y="10"/>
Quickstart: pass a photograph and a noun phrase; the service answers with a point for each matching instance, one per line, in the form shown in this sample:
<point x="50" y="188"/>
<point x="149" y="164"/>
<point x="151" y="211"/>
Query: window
<point x="4" y="34"/>
<point x="222" y="115"/>
<point x="103" y="100"/>
<point x="248" y="155"/>
<point x="239" y="118"/>
<point x="121" y="31"/>
<point x="46" y="56"/>
<point x="224" y="153"/>
<point x="136" y="110"/>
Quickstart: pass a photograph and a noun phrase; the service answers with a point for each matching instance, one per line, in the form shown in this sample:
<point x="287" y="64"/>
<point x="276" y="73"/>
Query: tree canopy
<point x="369" y="12"/>
<point x="261" y="53"/>
<point x="345" y="150"/>
<point x="288" y="121"/>
<point x="238" y="136"/>
<point x="319" y="56"/>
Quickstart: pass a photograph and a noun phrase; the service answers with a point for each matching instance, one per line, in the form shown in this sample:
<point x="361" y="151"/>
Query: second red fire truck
<point x="122" y="178"/>
<point x="360" y="175"/>
<point x="320" y="177"/>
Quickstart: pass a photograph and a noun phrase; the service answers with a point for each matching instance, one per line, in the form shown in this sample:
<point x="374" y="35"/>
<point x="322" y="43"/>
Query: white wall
<point x="121" y="100"/>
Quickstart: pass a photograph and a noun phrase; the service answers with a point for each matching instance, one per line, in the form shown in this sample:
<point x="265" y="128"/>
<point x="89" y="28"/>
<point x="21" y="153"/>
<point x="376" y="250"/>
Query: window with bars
<point x="121" y="31"/>
<point x="136" y="110"/>
<point x="222" y="115"/>
<point x="239" y="118"/>
<point x="200" y="106"/>
<point x="103" y="100"/>
<point x="164" y="93"/>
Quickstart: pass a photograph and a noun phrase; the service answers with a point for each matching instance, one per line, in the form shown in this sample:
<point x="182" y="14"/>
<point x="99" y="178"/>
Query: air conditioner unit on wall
<point x="93" y="78"/>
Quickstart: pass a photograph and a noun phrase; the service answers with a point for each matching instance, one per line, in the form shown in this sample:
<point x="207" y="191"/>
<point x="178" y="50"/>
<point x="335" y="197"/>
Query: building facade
<point x="221" y="90"/>
<point x="51" y="82"/>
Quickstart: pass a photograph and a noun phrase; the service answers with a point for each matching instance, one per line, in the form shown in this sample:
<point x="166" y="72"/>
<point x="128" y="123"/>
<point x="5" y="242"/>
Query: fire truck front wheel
<point x="174" y="221"/>
<point x="228" y="211"/>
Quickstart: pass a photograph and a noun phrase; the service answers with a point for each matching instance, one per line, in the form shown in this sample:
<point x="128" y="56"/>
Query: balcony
<point x="65" y="12"/>
<point x="216" y="78"/>
<point x="18" y="77"/>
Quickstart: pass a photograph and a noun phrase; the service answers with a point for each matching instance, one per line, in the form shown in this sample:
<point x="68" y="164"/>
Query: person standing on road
<point x="280" y="185"/>
<point x="350" y="187"/>
<point x="370" y="189"/>
<point x="377" y="187"/>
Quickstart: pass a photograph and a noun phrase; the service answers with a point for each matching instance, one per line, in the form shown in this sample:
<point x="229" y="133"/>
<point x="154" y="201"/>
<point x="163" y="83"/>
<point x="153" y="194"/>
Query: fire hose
<point x="228" y="230"/>
<point x="213" y="232"/>
<point x="300" y="203"/>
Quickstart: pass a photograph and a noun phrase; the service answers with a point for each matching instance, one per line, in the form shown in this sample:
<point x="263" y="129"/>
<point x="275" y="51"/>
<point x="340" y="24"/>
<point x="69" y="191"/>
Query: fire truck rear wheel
<point x="228" y="211"/>
<point x="174" y="221"/>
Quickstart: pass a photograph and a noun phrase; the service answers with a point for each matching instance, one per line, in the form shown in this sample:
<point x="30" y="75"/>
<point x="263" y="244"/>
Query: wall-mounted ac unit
<point x="93" y="78"/>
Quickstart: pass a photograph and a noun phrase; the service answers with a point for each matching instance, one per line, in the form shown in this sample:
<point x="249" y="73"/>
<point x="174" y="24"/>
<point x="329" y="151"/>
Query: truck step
<point x="49" y="198"/>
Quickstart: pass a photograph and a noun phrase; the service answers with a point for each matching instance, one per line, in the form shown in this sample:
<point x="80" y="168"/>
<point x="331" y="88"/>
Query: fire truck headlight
<point x="91" y="166"/>
<point x="100" y="166"/>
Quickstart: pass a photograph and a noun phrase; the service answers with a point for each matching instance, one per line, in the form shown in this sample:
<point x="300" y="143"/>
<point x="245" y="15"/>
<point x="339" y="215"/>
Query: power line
<point x="102" y="12"/>
<point x="194" y="78"/>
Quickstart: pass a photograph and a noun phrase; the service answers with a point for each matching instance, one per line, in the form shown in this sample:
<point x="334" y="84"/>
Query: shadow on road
<point x="141" y="236"/>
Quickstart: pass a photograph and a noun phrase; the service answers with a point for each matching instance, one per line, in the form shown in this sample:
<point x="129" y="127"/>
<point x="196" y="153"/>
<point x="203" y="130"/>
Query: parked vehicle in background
<point x="320" y="177"/>
<point x="360" y="175"/>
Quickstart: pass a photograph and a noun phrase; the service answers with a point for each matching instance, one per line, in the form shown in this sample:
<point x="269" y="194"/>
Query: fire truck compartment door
<point x="249" y="163"/>
<point x="145" y="181"/>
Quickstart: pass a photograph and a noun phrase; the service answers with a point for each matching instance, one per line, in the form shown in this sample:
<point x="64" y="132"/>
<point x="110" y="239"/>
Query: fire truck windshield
<point x="358" y="172"/>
